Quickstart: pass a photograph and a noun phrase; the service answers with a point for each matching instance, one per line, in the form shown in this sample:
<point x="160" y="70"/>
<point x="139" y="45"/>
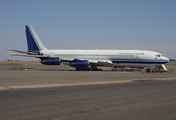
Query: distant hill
<point x="172" y="60"/>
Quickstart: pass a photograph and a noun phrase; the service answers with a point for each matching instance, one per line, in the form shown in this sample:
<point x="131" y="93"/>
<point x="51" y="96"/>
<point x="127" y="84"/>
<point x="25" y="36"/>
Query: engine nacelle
<point x="51" y="61"/>
<point x="84" y="64"/>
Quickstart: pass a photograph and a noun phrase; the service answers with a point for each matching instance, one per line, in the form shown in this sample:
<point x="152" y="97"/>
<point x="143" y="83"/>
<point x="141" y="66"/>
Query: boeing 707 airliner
<point x="89" y="59"/>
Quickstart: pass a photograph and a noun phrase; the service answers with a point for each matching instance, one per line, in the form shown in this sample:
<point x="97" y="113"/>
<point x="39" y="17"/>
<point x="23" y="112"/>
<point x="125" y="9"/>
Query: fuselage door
<point x="156" y="58"/>
<point x="137" y="58"/>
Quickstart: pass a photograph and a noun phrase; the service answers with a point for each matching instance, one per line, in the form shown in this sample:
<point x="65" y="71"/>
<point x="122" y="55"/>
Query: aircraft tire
<point x="148" y="70"/>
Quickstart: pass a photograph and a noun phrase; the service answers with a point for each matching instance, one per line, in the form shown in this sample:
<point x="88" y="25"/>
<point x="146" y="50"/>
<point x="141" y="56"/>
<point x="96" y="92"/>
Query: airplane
<point x="90" y="59"/>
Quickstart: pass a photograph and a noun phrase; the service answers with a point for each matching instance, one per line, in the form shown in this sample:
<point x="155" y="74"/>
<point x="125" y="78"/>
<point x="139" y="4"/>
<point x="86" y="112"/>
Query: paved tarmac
<point x="140" y="100"/>
<point x="40" y="79"/>
<point x="65" y="95"/>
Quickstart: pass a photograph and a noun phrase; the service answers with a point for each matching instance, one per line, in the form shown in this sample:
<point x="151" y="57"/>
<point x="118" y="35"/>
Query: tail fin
<point x="33" y="41"/>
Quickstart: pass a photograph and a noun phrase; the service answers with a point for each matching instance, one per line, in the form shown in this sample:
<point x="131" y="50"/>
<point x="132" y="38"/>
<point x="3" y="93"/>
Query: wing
<point x="101" y="62"/>
<point x="92" y="62"/>
<point x="66" y="59"/>
<point x="89" y="60"/>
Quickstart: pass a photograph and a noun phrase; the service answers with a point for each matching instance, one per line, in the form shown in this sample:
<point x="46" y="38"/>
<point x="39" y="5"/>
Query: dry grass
<point x="20" y="63"/>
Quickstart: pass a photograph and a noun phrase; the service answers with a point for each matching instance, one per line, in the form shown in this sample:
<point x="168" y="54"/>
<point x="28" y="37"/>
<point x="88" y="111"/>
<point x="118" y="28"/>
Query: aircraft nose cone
<point x="166" y="59"/>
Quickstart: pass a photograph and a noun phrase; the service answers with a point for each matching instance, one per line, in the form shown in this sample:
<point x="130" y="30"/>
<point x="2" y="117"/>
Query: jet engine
<point x="80" y="63"/>
<point x="51" y="61"/>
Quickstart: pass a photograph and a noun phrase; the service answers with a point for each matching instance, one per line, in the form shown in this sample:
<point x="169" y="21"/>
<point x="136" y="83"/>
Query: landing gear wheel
<point x="88" y="69"/>
<point x="147" y="70"/>
<point x="78" y="69"/>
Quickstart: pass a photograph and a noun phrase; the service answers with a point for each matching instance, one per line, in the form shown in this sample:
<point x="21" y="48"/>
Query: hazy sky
<point x="89" y="24"/>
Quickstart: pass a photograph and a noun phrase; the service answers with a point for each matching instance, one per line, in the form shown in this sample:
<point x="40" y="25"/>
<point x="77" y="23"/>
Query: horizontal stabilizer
<point x="37" y="56"/>
<point x="31" y="53"/>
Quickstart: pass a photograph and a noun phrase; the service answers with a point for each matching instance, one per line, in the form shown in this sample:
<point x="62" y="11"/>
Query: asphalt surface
<point x="59" y="93"/>
<point x="139" y="100"/>
<point x="41" y="79"/>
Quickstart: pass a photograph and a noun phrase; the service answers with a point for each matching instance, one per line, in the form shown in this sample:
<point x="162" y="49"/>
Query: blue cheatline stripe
<point x="141" y="60"/>
<point x="34" y="38"/>
<point x="137" y="61"/>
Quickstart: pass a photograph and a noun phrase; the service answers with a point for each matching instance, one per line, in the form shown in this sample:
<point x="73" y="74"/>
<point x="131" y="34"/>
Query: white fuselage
<point x="127" y="58"/>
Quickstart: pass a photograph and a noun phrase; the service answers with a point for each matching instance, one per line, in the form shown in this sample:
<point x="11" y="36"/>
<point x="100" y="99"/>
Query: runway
<point x="136" y="100"/>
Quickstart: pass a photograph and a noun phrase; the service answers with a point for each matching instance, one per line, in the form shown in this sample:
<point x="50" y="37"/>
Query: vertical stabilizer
<point x="33" y="41"/>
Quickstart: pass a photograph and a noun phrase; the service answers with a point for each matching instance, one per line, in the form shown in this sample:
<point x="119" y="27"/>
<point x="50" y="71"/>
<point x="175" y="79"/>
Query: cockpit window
<point x="158" y="55"/>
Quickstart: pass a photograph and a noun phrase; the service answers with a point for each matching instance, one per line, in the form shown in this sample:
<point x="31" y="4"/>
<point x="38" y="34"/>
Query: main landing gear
<point x="88" y="69"/>
<point x="148" y="70"/>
